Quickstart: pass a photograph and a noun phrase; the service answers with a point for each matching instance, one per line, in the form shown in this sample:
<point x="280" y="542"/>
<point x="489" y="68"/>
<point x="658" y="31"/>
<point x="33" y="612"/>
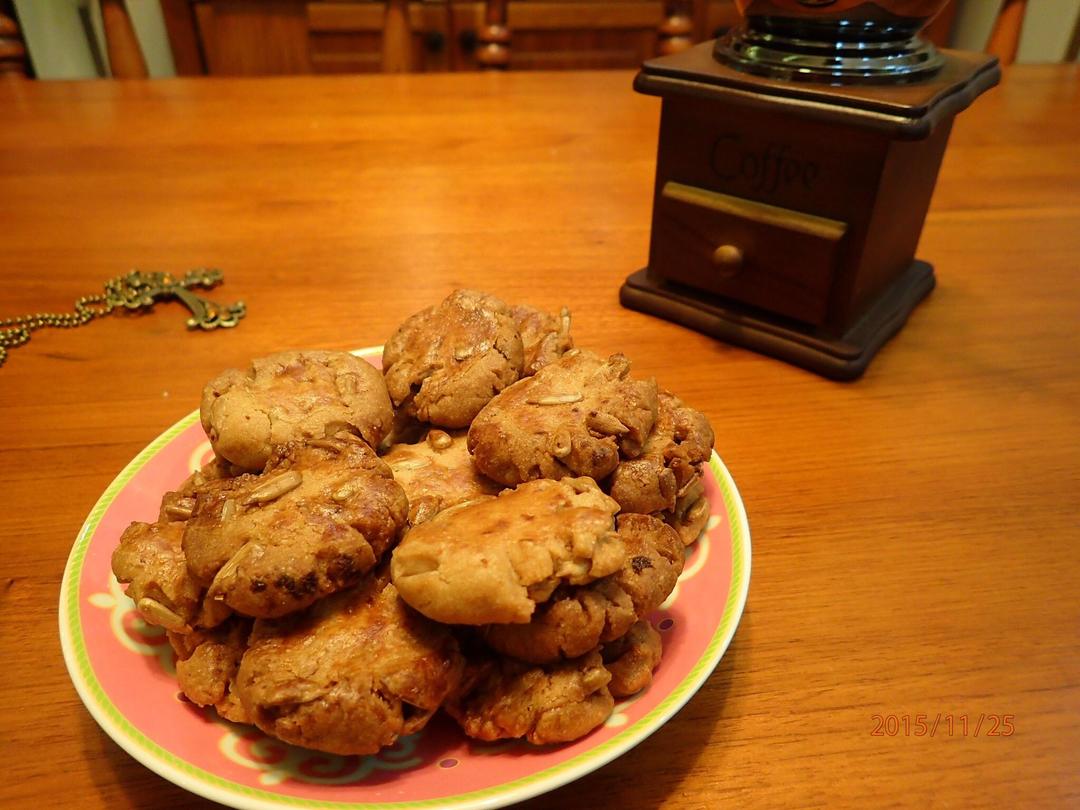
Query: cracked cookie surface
<point x="293" y="396"/>
<point x="351" y="674"/>
<point x="445" y="363"/>
<point x="314" y="522"/>
<point x="576" y="416"/>
<point x="493" y="559"/>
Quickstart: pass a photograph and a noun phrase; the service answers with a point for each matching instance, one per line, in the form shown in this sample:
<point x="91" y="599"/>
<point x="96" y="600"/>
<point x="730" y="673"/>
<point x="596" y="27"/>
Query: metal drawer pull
<point x="728" y="259"/>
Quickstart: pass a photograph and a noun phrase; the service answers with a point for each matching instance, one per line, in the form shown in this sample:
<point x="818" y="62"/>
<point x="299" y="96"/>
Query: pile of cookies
<point x="483" y="527"/>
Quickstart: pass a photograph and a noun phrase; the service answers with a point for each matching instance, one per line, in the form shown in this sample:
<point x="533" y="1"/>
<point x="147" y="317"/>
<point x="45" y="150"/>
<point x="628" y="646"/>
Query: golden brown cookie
<point x="437" y="473"/>
<point x="445" y="362"/>
<point x="544" y="337"/>
<point x="568" y="625"/>
<point x="632" y="659"/>
<point x="207" y="665"/>
<point x="667" y="477"/>
<point x="691" y="512"/>
<point x="293" y="396"/>
<point x="654" y="561"/>
<point x="505" y="699"/>
<point x="493" y="559"/>
<point x="575" y="416"/>
<point x="349" y="675"/>
<point x="314" y="522"/>
<point x="150" y="561"/>
<point x="575" y="620"/>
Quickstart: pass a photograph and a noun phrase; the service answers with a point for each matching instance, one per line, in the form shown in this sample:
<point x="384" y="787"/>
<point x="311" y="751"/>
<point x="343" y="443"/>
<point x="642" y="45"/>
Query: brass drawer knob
<point x="728" y="259"/>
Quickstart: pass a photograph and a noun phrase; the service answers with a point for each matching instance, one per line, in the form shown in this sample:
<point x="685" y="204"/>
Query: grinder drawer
<point x="780" y="260"/>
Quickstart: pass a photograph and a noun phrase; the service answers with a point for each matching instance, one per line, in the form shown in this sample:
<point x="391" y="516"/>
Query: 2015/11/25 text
<point x="942" y="725"/>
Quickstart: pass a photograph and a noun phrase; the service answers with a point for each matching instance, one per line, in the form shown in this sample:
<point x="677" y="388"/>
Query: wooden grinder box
<point x="786" y="214"/>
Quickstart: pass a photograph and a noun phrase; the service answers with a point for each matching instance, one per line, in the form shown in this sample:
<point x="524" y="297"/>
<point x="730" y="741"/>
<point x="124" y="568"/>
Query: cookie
<point x="654" y="561"/>
<point x="150" y="561"/>
<point x="576" y="416"/>
<point x="437" y="473"/>
<point x="320" y="517"/>
<point x="505" y="699"/>
<point x="293" y="396"/>
<point x="493" y="559"/>
<point x="691" y="512"/>
<point x="446" y="362"/>
<point x="575" y="620"/>
<point x="544" y="337"/>
<point x="351" y="674"/>
<point x="667" y="477"/>
<point x="207" y="664"/>
<point x="571" y="623"/>
<point x="632" y="659"/>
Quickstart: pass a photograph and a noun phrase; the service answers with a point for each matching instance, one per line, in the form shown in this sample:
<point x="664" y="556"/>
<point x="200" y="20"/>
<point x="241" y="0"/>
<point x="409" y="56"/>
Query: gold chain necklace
<point x="134" y="290"/>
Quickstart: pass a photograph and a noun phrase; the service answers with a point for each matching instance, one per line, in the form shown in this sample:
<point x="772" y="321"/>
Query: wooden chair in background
<point x="1005" y="37"/>
<point x="1008" y="31"/>
<point x="13" y="60"/>
<point x="267" y="37"/>
<point x="125" y="56"/>
<point x="682" y="24"/>
<point x="397" y="38"/>
<point x="493" y="52"/>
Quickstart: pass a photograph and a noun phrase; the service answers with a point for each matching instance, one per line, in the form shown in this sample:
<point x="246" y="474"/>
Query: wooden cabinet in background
<point x="347" y="37"/>
<point x="260" y="37"/>
<point x="574" y="35"/>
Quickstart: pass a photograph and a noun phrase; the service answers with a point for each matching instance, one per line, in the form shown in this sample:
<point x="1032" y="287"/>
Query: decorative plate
<point x="123" y="670"/>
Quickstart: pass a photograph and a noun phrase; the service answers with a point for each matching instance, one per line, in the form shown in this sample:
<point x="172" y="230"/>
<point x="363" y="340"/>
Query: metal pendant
<point x="138" y="289"/>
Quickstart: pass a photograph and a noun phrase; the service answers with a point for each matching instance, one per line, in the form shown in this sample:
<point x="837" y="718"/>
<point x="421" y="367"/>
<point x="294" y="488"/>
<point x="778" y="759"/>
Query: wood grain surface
<point x="916" y="539"/>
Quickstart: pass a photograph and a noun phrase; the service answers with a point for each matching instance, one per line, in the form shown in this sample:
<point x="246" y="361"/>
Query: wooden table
<point x="916" y="538"/>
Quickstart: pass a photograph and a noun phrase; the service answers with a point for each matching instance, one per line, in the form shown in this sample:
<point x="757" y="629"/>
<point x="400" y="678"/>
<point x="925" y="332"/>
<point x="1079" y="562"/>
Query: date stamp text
<point x="942" y="725"/>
